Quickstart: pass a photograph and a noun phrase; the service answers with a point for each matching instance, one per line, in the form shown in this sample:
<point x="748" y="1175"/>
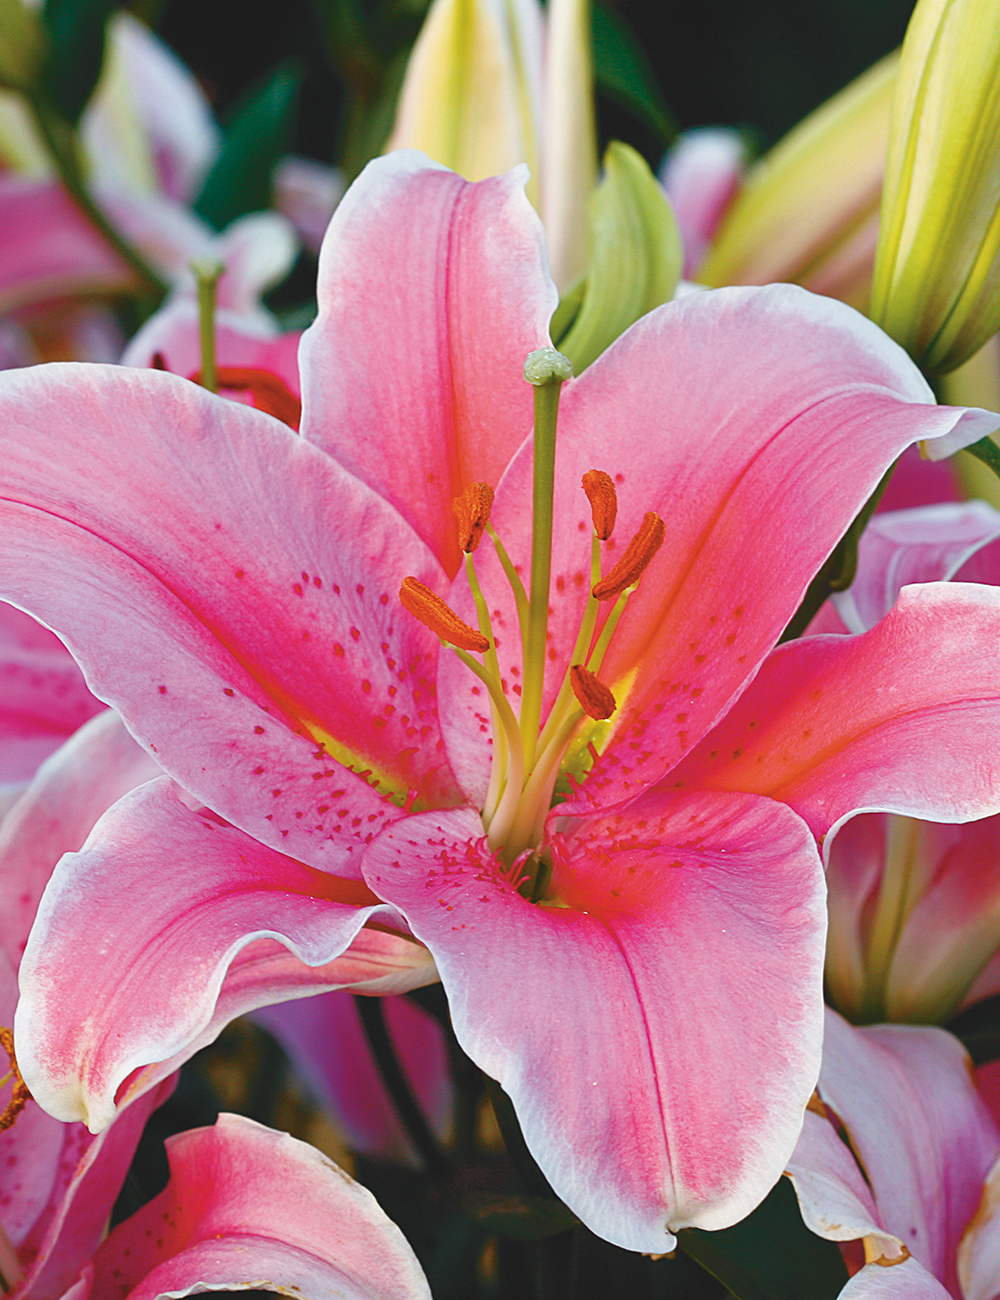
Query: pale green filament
<point x="498" y="769"/>
<point x="899" y="891"/>
<point x="581" y="649"/>
<point x="207" y="275"/>
<point x="515" y="764"/>
<point x="516" y="585"/>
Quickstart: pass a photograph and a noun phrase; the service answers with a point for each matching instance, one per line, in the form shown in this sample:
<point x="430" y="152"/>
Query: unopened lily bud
<point x="428" y="608"/>
<point x="808" y="210"/>
<point x="22" y="45"/>
<point x="547" y="366"/>
<point x="472" y="510"/>
<point x="637" y="556"/>
<point x="471" y="96"/>
<point x="937" y="270"/>
<point x="593" y="696"/>
<point x="603" y="500"/>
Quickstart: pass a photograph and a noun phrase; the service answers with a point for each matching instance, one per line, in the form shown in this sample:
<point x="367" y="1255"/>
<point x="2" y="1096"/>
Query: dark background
<point x="758" y="64"/>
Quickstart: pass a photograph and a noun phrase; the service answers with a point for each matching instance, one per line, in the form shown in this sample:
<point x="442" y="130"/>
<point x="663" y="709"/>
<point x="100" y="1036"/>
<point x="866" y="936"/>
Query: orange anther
<point x="19" y="1096"/>
<point x="472" y="510"/>
<point x="638" y="554"/>
<point x="603" y="501"/>
<point x="270" y="393"/>
<point x="594" y="697"/>
<point x="431" y="610"/>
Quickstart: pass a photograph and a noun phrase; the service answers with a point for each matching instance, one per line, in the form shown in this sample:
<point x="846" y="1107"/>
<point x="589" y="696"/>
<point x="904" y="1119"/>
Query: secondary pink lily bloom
<point x="248" y="1208"/>
<point x="641" y="967"/>
<point x="702" y="174"/>
<point x="914" y="904"/>
<point x="917" y="1184"/>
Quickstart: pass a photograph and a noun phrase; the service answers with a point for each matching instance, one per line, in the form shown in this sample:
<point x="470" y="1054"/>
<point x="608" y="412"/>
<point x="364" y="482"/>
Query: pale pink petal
<point x="164" y="100"/>
<point x="856" y="860"/>
<point x="307" y="192"/>
<point x="49" y="248"/>
<point x="168" y="233"/>
<point x="232" y="591"/>
<point x="658" y="1025"/>
<point x="926" y="544"/>
<point x="906" y="1281"/>
<point x="979" y="1250"/>
<point x="257" y="251"/>
<point x="106" y="989"/>
<point x="173" y="333"/>
<point x="432" y="292"/>
<point x="324" y="1038"/>
<point x="57" y="812"/>
<point x="923" y="1135"/>
<point x="247" y="1208"/>
<point x="701" y="175"/>
<point x="833" y="1196"/>
<point x="718" y="411"/>
<point x="902" y="719"/>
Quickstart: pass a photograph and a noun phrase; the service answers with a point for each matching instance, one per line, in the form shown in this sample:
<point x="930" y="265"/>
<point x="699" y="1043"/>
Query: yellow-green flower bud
<point x="937" y="272"/>
<point x="22" y="45"/>
<point x="635" y="262"/>
<point x="808" y="211"/>
<point x="472" y="90"/>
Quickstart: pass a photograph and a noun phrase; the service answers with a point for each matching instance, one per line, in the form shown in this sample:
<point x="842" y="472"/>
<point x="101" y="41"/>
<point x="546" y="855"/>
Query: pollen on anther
<point x="603" y="500"/>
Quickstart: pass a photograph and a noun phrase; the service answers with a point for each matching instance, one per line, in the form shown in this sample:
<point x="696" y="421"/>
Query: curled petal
<point x="247" y="1208"/>
<point x="206" y="924"/>
<point x="657" y="1024"/>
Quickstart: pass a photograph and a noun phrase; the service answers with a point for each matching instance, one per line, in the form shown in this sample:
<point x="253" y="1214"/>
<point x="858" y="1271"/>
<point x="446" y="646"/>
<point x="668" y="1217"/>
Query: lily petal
<point x="902" y="719"/>
<point x="906" y="1281"/>
<point x="600" y="1013"/>
<point x="248" y="1208"/>
<point x="245" y="565"/>
<point x="419" y="343"/>
<point x="192" y="897"/>
<point x="57" y="812"/>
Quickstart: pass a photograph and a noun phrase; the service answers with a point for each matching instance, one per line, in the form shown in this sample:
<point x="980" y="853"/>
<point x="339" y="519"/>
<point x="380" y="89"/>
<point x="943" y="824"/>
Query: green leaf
<point x="771" y="1254"/>
<point x="622" y="71"/>
<point x="525" y="1218"/>
<point x="76" y="51"/>
<point x="635" y="261"/>
<point x="255" y="136"/>
<point x="978" y="1028"/>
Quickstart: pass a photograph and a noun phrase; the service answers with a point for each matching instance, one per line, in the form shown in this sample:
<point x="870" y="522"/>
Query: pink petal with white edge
<point x="927" y="544"/>
<point x="192" y="895"/>
<point x="906" y="1281"/>
<point x="718" y="411"/>
<point x="701" y="175"/>
<point x="232" y="592"/>
<point x="57" y="812"/>
<point x="979" y="1249"/>
<point x="247" y="1208"/>
<point x="324" y="1038"/>
<point x="923" y="1135"/>
<point x="50" y="250"/>
<point x="834" y="1199"/>
<point x="919" y="482"/>
<point x="902" y="719"/>
<point x="432" y="292"/>
<point x="658" y="1027"/>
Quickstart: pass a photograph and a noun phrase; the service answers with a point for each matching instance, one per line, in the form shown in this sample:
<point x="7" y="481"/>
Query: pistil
<point x="207" y="274"/>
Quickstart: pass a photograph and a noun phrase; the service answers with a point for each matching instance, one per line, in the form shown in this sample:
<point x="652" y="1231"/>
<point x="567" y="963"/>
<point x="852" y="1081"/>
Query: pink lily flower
<point x="249" y="1208"/>
<point x="917" y="1184"/>
<point x="702" y="174"/>
<point x="656" y="1025"/>
<point x="914" y="904"/>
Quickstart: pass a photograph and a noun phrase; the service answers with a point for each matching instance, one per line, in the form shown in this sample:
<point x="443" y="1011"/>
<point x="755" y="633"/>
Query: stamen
<point x="472" y="510"/>
<point x="603" y="500"/>
<point x="637" y="556"/>
<point x="207" y="275"/>
<point x="594" y="697"/>
<point x="269" y="391"/>
<point x="516" y="585"/>
<point x="428" y="607"/>
<point x="19" y="1096"/>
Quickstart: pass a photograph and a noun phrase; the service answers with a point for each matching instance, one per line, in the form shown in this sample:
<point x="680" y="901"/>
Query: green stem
<point x="207" y="275"/>
<point x="61" y="143"/>
<point x="988" y="452"/>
